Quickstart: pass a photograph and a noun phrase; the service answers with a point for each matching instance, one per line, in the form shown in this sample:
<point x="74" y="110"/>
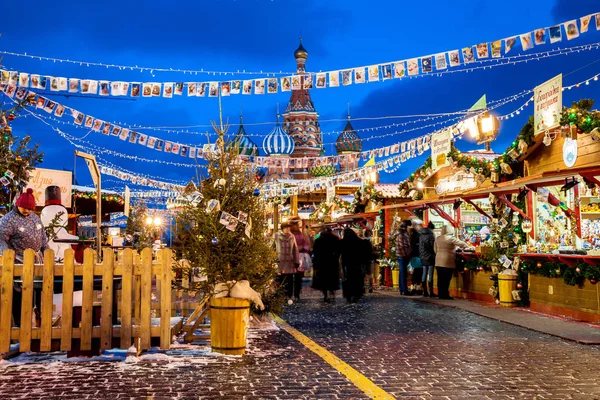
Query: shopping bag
<point x="305" y="262"/>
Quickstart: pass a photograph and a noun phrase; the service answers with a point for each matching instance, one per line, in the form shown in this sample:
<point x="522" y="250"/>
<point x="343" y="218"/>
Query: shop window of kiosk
<point x="474" y="227"/>
<point x="554" y="229"/>
<point x="590" y="216"/>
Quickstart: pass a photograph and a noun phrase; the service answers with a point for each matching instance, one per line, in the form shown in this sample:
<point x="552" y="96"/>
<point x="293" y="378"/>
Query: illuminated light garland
<point x="92" y="195"/>
<point x="387" y="70"/>
<point x="152" y="70"/>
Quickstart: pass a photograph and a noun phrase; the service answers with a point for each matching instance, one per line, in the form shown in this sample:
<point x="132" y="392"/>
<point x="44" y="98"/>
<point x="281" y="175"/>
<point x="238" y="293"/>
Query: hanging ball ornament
<point x="593" y="281"/>
<point x="526" y="225"/>
<point x="466" y="269"/>
<point x="18" y="159"/>
<point x="215" y="241"/>
<point x="256" y="192"/>
<point x="519" y="285"/>
<point x="539" y="265"/>
<point x="578" y="270"/>
<point x="11" y="116"/>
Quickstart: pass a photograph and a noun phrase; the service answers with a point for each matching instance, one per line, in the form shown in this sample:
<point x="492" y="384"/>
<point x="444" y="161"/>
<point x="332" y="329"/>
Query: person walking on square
<point x="22" y="229"/>
<point x="304" y="248"/>
<point x="326" y="260"/>
<point x="354" y="259"/>
<point x="427" y="255"/>
<point x="445" y="259"/>
<point x="288" y="258"/>
<point x="403" y="251"/>
<point x="414" y="235"/>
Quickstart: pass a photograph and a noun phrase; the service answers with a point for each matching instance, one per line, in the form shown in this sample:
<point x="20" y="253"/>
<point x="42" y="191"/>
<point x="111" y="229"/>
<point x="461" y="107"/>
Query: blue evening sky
<point x="261" y="35"/>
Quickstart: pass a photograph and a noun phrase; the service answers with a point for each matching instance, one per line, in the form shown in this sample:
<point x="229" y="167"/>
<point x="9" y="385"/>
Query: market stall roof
<point x="388" y="190"/>
<point x="549" y="178"/>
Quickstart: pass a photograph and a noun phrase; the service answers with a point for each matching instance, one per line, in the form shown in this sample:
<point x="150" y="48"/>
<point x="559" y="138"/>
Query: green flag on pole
<point x="480" y="105"/>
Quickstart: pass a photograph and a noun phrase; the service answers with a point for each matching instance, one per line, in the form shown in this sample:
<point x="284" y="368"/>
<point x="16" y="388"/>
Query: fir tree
<point x="239" y="251"/>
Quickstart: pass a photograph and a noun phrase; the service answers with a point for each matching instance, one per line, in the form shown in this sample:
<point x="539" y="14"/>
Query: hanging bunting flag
<point x="201" y="89"/>
<point x="359" y="75"/>
<point x="156" y="87"/>
<point x="106" y="129"/>
<point x="540" y="36"/>
<point x="571" y="30"/>
<point x="97" y="124"/>
<point x="413" y="66"/>
<point x="135" y="89"/>
<point x="247" y="88"/>
<point x="21" y="93"/>
<point x="555" y="33"/>
<point x="286" y="84"/>
<point x="176" y="148"/>
<point x="54" y="85"/>
<point x="259" y="86"/>
<point x="480" y="104"/>
<point x="307" y="81"/>
<point x="213" y="89"/>
<point x="334" y="79"/>
<point x="89" y="121"/>
<point x="178" y="89"/>
<point x="125" y="134"/>
<point x="142" y="139"/>
<point x="160" y="144"/>
<point x="73" y="85"/>
<point x="509" y="43"/>
<point x="23" y="79"/>
<point x="373" y="73"/>
<point x="191" y="89"/>
<point x="370" y="163"/>
<point x="168" y="90"/>
<point x="321" y="80"/>
<point x="347" y="77"/>
<point x="468" y="55"/>
<point x="483" y="51"/>
<point x="386" y="71"/>
<point x="272" y="85"/>
<point x="440" y="61"/>
<point x="225" y="88"/>
<point x="133" y="137"/>
<point x="597" y="18"/>
<point x="168" y="146"/>
<point x="426" y="64"/>
<point x="454" y="58"/>
<point x="496" y="49"/>
<point x="151" y="142"/>
<point x="184" y="151"/>
<point x="399" y="69"/>
<point x="193" y="151"/>
<point x="526" y="42"/>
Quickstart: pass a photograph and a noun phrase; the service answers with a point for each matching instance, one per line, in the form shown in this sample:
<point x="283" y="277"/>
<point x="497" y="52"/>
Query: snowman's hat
<point x="53" y="196"/>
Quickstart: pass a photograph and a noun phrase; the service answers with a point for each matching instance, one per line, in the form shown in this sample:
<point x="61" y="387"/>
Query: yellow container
<point x="229" y="320"/>
<point x="396" y="278"/>
<point x="506" y="285"/>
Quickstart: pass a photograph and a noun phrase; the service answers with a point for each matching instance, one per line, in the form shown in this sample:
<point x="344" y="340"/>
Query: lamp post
<point x="154" y="223"/>
<point x="486" y="129"/>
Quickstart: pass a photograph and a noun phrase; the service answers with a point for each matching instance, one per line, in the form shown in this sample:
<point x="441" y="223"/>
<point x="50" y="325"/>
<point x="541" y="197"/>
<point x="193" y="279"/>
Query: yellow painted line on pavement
<point x="358" y="379"/>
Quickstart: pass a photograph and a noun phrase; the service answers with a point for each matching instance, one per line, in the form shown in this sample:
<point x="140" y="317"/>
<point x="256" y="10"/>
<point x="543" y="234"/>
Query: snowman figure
<point x="53" y="207"/>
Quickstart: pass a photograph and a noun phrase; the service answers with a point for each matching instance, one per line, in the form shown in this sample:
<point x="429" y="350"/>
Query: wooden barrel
<point x="229" y="320"/>
<point x="506" y="285"/>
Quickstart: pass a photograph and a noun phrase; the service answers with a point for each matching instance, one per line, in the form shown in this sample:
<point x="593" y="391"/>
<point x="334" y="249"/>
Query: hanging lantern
<point x="495" y="178"/>
<point x="526" y="225"/>
<point x="573" y="132"/>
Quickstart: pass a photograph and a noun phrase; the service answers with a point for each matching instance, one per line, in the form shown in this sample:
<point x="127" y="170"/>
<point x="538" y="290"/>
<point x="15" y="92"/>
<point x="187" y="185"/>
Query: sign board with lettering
<point x="40" y="179"/>
<point x="548" y="104"/>
<point x="459" y="181"/>
<point x="440" y="147"/>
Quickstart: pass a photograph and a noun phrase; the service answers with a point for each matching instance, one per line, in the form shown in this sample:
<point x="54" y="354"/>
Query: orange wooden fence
<point x="137" y="326"/>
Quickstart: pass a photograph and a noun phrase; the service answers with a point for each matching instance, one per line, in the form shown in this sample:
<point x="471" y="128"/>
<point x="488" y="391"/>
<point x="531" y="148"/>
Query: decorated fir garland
<point x="581" y="115"/>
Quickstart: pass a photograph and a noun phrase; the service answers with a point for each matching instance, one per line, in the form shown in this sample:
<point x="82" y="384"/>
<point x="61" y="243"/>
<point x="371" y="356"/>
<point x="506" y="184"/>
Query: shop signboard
<point x="440" y="147"/>
<point x="548" y="104"/>
<point x="40" y="179"/>
<point x="459" y="181"/>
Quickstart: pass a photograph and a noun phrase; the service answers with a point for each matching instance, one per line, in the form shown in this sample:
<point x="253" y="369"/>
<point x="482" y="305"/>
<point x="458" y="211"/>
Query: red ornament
<point x="11" y="116"/>
<point x="593" y="281"/>
<point x="519" y="285"/>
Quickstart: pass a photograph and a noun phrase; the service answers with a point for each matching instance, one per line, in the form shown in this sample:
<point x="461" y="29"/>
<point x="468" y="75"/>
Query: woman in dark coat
<point x="427" y="254"/>
<point x="355" y="256"/>
<point x="326" y="260"/>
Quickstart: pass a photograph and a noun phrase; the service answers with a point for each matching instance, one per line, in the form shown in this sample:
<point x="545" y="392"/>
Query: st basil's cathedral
<point x="292" y="146"/>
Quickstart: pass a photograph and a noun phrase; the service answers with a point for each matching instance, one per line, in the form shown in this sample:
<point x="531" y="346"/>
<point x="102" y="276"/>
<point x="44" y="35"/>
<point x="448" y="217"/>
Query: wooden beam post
<point x="444" y="215"/>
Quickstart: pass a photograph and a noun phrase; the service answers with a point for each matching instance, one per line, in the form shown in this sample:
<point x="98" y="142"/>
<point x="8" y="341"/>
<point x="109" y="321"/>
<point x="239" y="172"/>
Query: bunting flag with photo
<point x="496" y="49"/>
<point x="399" y="69"/>
<point x="597" y="17"/>
<point x="509" y="44"/>
<point x="193" y="152"/>
<point x="124" y="134"/>
<point x="468" y="55"/>
<point x="359" y="75"/>
<point x="73" y="85"/>
<point x="454" y="58"/>
<point x="386" y="71"/>
<point x="334" y="79"/>
<point x="151" y="142"/>
<point x="142" y="139"/>
<point x="272" y="85"/>
<point x="168" y="146"/>
<point x="213" y="89"/>
<point x="168" y="90"/>
<point x="440" y="61"/>
<point x="225" y="88"/>
<point x="526" y="42"/>
<point x="259" y="86"/>
<point x="24" y="79"/>
<point x="286" y="84"/>
<point x="539" y="36"/>
<point x="201" y="89"/>
<point x="133" y="137"/>
<point x="191" y="89"/>
<point x="247" y="88"/>
<point x="483" y="51"/>
<point x="426" y="66"/>
<point x="347" y="77"/>
<point x="178" y="89"/>
<point x="307" y="81"/>
<point x="135" y="89"/>
<point x="555" y="34"/>
<point x="321" y="80"/>
<point x="413" y="66"/>
<point x="571" y="29"/>
<point x="373" y="73"/>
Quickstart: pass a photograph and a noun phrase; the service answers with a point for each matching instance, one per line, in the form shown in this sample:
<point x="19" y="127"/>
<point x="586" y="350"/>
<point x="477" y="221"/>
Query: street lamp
<point x="157" y="221"/>
<point x="149" y="221"/>
<point x="486" y="129"/>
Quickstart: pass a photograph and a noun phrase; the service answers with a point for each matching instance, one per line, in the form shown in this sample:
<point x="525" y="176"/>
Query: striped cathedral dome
<point x="348" y="141"/>
<point x="243" y="143"/>
<point x="278" y="143"/>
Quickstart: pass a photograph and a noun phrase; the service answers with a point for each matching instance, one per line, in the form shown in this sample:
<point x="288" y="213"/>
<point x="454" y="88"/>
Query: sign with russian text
<point x="40" y="179"/>
<point x="440" y="147"/>
<point x="548" y="104"/>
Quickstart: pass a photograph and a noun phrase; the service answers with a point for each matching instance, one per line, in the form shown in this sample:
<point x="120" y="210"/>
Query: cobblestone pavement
<point x="412" y="350"/>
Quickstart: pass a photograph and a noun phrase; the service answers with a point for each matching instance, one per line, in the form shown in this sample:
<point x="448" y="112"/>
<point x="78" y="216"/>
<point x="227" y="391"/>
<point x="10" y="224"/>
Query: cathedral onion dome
<point x="243" y="143"/>
<point x="348" y="141"/>
<point x="301" y="51"/>
<point x="278" y="143"/>
<point x="322" y="170"/>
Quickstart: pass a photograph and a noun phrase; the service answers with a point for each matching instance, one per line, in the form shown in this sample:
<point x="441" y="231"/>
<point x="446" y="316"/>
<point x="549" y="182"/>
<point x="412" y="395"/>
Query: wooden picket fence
<point x="136" y="272"/>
